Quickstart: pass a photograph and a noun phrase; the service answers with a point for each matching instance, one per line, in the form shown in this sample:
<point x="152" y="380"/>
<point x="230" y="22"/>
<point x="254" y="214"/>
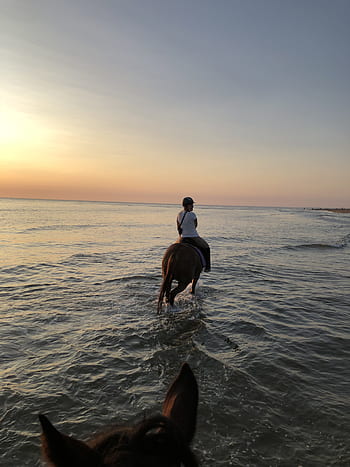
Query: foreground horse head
<point x="161" y="441"/>
<point x="182" y="263"/>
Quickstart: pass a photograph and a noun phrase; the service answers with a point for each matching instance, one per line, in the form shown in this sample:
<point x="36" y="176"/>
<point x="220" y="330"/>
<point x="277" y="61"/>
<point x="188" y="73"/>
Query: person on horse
<point x="187" y="228"/>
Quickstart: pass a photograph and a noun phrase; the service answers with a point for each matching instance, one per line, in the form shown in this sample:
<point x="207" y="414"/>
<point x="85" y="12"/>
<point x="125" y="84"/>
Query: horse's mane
<point x="155" y="441"/>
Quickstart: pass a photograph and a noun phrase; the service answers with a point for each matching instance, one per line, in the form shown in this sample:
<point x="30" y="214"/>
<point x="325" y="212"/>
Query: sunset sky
<point x="240" y="102"/>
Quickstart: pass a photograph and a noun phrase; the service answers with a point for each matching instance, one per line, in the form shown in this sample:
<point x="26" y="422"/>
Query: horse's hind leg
<point x="167" y="293"/>
<point x="181" y="286"/>
<point x="194" y="283"/>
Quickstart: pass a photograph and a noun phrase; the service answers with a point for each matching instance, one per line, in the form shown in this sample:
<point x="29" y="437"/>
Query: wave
<point x="29" y="269"/>
<point x="136" y="277"/>
<point x="320" y="246"/>
<point x="61" y="227"/>
<point x="342" y="243"/>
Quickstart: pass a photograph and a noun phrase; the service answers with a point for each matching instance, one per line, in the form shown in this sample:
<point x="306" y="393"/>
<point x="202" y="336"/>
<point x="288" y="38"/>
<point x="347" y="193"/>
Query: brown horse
<point x="161" y="441"/>
<point x="182" y="263"/>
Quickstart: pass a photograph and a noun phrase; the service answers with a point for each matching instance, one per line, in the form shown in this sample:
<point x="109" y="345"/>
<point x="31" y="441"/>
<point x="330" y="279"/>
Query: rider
<point x="187" y="225"/>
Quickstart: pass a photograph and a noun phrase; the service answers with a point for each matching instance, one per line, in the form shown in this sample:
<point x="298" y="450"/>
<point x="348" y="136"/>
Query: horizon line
<point x="151" y="202"/>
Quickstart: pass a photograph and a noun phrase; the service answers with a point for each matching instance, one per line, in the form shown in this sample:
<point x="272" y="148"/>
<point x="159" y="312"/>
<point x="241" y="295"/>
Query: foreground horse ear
<point x="181" y="401"/>
<point x="63" y="451"/>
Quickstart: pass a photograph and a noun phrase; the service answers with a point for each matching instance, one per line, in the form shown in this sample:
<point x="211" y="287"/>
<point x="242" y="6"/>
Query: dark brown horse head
<point x="160" y="441"/>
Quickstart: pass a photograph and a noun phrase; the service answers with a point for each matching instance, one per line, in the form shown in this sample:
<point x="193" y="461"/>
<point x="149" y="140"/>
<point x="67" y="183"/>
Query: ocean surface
<point x="267" y="335"/>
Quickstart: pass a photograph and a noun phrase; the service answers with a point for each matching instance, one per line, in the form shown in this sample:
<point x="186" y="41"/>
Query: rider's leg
<point x="205" y="249"/>
<point x="206" y="253"/>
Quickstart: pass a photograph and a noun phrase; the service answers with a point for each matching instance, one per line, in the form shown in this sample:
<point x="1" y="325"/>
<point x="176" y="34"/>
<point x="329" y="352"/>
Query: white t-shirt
<point x="188" y="224"/>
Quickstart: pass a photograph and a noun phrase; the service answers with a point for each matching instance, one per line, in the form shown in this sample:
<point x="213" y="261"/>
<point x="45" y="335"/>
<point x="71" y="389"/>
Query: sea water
<point x="267" y="335"/>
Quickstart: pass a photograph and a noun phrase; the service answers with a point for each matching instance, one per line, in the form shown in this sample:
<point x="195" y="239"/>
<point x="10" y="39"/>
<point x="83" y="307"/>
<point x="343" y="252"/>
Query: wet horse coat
<point x="181" y="262"/>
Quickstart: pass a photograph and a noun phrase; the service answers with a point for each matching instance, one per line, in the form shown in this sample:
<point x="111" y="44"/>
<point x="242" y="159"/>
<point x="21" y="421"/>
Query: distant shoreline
<point x="340" y="210"/>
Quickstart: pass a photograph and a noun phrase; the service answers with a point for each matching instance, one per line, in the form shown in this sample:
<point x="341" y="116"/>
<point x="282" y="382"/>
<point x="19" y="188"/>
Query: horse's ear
<point x="181" y="401"/>
<point x="63" y="451"/>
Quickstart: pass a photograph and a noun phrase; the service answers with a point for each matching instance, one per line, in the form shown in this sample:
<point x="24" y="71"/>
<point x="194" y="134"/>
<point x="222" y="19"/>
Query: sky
<point x="234" y="102"/>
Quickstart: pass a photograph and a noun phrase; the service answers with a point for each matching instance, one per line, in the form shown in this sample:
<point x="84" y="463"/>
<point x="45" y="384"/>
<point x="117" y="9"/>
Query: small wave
<point x="89" y="258"/>
<point x="223" y="239"/>
<point x="60" y="227"/>
<point x="136" y="278"/>
<point x="315" y="246"/>
<point x="25" y="268"/>
<point x="321" y="246"/>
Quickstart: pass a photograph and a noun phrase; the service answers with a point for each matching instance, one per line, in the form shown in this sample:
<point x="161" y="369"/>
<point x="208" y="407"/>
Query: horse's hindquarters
<point x="181" y="262"/>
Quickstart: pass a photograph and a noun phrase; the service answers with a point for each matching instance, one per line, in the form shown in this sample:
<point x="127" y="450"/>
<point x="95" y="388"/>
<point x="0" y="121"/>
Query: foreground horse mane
<point x="160" y="441"/>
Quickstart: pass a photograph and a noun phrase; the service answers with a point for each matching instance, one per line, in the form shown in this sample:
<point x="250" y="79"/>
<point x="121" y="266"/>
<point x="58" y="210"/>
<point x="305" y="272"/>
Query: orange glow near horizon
<point x="39" y="160"/>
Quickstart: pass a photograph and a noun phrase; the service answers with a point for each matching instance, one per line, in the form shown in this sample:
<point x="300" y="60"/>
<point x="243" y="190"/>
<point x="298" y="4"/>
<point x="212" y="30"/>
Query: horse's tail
<point x="166" y="285"/>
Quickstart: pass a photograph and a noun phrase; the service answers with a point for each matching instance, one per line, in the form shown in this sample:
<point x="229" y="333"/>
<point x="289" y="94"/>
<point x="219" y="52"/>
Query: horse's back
<point x="184" y="260"/>
<point x="183" y="248"/>
<point x="180" y="251"/>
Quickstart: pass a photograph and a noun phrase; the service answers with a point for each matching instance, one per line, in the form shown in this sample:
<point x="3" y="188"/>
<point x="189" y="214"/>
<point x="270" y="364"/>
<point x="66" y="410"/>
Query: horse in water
<point x="161" y="441"/>
<point x="181" y="262"/>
